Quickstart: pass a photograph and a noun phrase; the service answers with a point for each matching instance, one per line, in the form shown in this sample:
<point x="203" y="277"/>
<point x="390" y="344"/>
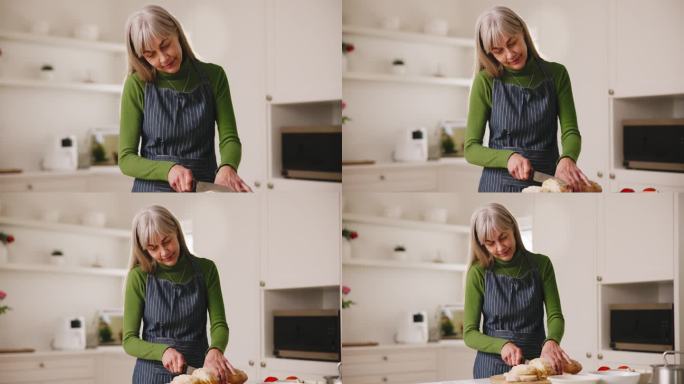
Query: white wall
<point x="228" y="33"/>
<point x="384" y="295"/>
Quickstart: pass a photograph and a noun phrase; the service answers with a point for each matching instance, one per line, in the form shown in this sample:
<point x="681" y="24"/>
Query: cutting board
<point x="499" y="379"/>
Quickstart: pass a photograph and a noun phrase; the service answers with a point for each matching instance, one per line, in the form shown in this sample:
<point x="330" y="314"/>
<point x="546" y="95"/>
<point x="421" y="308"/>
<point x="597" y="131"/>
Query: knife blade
<point x="190" y="370"/>
<point x="203" y="186"/>
<point x="541" y="176"/>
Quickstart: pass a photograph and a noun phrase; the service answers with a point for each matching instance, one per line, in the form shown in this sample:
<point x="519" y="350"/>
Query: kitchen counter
<point x="469" y="381"/>
<point x="446" y="161"/>
<point x="117" y="350"/>
<point x="399" y="347"/>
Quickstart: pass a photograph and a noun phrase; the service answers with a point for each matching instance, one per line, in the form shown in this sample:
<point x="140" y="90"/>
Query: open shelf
<point x="410" y="79"/>
<point x="405" y="224"/>
<point x="63" y="41"/>
<point x="385" y="263"/>
<point x="88" y="87"/>
<point x="115" y="272"/>
<point x="412" y="37"/>
<point x="62" y="227"/>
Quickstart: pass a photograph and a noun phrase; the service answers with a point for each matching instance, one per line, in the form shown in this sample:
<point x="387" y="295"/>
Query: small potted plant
<point x="400" y="252"/>
<point x="346" y="48"/>
<point x="347" y="236"/>
<point x="398" y="67"/>
<point x="47" y="72"/>
<point x="345" y="118"/>
<point x="5" y="239"/>
<point x="57" y="257"/>
<point x="3" y="308"/>
<point x="346" y="303"/>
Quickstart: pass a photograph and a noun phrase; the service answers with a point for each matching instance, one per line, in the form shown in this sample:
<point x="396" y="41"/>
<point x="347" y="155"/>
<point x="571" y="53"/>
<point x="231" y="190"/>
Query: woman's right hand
<point x="173" y="361"/>
<point x="511" y="354"/>
<point x="519" y="167"/>
<point x="180" y="178"/>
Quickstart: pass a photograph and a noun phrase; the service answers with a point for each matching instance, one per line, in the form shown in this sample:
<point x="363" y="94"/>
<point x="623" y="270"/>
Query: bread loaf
<point x="522" y="372"/>
<point x="544" y="367"/>
<point x="572" y="367"/>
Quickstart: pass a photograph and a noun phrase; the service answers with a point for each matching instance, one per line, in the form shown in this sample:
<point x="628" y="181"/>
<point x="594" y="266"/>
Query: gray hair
<point x="151" y="22"/>
<point x="491" y="28"/>
<point x="485" y="221"/>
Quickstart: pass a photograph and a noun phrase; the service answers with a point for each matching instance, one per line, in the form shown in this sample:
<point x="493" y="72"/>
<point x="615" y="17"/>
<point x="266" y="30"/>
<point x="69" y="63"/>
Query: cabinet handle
<point x="384" y="379"/>
<point x="382" y="177"/>
<point x="257" y="184"/>
<point x="42" y="365"/>
<point x="611" y="92"/>
<point x="262" y="283"/>
<point x="29" y="187"/>
<point x="599" y="174"/>
<point x="588" y="355"/>
<point x="263" y="364"/>
<point x="251" y="363"/>
<point x="611" y="176"/>
<point x="384" y="358"/>
<point x="269" y="185"/>
<point x="599" y="356"/>
<point x="269" y="98"/>
<point x="599" y="278"/>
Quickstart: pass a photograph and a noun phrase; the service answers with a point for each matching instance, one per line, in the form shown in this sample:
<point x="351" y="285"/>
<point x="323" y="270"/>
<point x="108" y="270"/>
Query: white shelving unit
<point x="359" y="262"/>
<point x="62" y="227"/>
<point x="63" y="41"/>
<point x="408" y="36"/>
<point x="87" y="87"/>
<point x="406" y="224"/>
<point x="115" y="272"/>
<point x="450" y="81"/>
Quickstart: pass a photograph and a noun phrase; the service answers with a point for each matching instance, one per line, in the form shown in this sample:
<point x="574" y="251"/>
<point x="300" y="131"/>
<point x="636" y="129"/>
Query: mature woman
<point x="522" y="97"/>
<point x="169" y="107"/>
<point x="508" y="287"/>
<point x="171" y="291"/>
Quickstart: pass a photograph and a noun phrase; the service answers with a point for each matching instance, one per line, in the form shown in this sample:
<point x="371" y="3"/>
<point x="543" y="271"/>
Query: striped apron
<point x="523" y="120"/>
<point x="175" y="314"/>
<point x="179" y="127"/>
<point x="513" y="309"/>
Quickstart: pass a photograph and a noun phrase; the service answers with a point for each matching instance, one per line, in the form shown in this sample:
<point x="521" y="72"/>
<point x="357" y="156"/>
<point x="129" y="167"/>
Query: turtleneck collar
<point x="179" y="266"/>
<point x="517" y="257"/>
<point x="181" y="74"/>
<point x="526" y="70"/>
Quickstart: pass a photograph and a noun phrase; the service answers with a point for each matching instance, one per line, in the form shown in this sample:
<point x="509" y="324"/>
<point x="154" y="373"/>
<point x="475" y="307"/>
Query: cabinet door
<point x="420" y="179"/>
<point x="303" y="242"/>
<point x="639" y="238"/>
<point x="233" y="245"/>
<point x="648" y="45"/>
<point x="565" y="230"/>
<point x="305" y="54"/>
<point x="115" y="368"/>
<point x="456" y="363"/>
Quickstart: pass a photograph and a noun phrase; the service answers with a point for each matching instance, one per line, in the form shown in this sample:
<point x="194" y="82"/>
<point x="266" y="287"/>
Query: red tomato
<point x="292" y="378"/>
<point x="623" y="190"/>
<point x="603" y="368"/>
<point x="649" y="189"/>
<point x="270" y="379"/>
<point x="623" y="367"/>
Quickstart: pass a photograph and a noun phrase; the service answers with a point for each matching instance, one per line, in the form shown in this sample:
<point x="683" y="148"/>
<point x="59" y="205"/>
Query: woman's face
<point x="511" y="52"/>
<point x="164" y="249"/>
<point x="501" y="244"/>
<point x="165" y="54"/>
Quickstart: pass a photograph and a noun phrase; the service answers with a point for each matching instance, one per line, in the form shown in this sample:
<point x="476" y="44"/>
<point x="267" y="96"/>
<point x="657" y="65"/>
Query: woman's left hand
<point x="218" y="363"/>
<point x="227" y="177"/>
<point x="568" y="171"/>
<point x="552" y="352"/>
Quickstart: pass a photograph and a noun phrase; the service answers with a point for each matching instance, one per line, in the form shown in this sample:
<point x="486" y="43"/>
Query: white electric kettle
<point x="413" y="328"/>
<point x="412" y="146"/>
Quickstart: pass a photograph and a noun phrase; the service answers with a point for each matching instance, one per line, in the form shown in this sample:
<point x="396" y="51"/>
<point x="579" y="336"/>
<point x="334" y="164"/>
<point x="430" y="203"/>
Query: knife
<point x="541" y="177"/>
<point x="203" y="186"/>
<point x="190" y="370"/>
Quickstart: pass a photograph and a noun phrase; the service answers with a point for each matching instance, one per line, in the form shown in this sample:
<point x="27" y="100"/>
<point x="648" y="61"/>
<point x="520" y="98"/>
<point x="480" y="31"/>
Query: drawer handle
<point x="384" y="379"/>
<point x="385" y="358"/>
<point x="42" y="365"/>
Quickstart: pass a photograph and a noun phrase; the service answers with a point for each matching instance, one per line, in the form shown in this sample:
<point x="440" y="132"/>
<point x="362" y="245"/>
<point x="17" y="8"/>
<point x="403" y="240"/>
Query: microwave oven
<point x="312" y="152"/>
<point x="307" y="334"/>
<point x="654" y="144"/>
<point x="642" y="327"/>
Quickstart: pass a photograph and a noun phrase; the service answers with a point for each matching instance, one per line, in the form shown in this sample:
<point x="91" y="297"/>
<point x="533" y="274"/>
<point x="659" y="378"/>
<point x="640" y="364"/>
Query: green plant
<point x="98" y="152"/>
<point x="398" y="62"/>
<point x="399" y="248"/>
<point x="346" y="303"/>
<point x="104" y="332"/>
<point x="3" y="308"/>
<point x="349" y="234"/>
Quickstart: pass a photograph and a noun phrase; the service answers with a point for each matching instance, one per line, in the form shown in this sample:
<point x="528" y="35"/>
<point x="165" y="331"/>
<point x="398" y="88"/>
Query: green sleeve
<point x="230" y="147"/>
<point x="571" y="141"/>
<point x="130" y="163"/>
<point x="554" y="315"/>
<point x="479" y="110"/>
<point x="474" y="298"/>
<point x="134" y="305"/>
<point x="217" y="314"/>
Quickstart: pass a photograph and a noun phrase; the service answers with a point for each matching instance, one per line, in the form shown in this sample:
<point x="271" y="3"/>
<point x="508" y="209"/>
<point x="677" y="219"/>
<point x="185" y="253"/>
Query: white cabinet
<point x="305" y="40"/>
<point x="115" y="368"/>
<point x="53" y="369"/>
<point x="391" y="179"/>
<point x="565" y="230"/>
<point x="648" y="44"/>
<point x="303" y="240"/>
<point x="639" y="238"/>
<point x="407" y="365"/>
<point x="456" y="363"/>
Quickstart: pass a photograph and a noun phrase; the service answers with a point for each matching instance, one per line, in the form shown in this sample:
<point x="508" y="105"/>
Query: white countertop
<point x="396" y="347"/>
<point x="51" y="353"/>
<point x="445" y="161"/>
<point x="469" y="381"/>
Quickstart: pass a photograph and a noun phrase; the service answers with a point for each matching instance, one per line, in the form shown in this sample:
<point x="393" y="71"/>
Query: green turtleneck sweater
<point x="182" y="272"/>
<point x="480" y="109"/>
<point x="474" y="299"/>
<point x="132" y="114"/>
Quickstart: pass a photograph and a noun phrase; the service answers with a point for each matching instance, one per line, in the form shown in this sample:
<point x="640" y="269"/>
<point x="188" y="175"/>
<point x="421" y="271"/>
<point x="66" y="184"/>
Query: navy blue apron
<point x="523" y="120"/>
<point x="179" y="127"/>
<point x="513" y="309"/>
<point x="175" y="314"/>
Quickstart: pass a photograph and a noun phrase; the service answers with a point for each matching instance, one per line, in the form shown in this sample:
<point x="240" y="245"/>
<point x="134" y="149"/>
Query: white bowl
<point x="617" y="377"/>
<point x="567" y="378"/>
